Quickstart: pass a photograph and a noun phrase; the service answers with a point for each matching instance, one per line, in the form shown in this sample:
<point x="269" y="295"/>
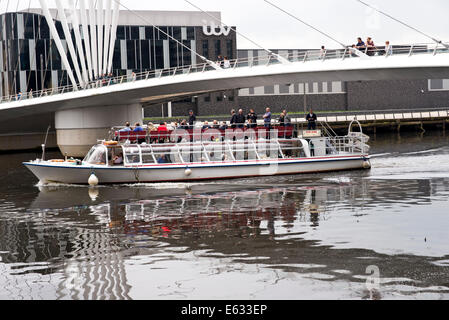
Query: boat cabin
<point x="109" y="154"/>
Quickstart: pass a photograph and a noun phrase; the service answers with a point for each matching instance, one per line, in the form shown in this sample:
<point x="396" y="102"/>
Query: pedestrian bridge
<point x="101" y="105"/>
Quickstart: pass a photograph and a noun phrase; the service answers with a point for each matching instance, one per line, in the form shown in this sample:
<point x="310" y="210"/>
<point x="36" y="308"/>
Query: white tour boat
<point x="223" y="158"/>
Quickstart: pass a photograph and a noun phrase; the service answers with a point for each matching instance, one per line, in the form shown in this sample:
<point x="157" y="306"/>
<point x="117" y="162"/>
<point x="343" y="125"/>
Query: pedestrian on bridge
<point x="360" y="45"/>
<point x="371" y="48"/>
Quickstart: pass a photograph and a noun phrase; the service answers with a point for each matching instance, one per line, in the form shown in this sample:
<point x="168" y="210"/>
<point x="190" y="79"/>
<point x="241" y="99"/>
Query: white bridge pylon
<point x="99" y="33"/>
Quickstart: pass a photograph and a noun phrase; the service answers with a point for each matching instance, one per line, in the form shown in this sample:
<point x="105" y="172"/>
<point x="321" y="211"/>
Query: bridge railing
<point x="265" y="60"/>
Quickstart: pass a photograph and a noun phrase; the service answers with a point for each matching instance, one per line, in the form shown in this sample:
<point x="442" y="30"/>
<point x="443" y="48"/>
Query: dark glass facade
<point x="29" y="59"/>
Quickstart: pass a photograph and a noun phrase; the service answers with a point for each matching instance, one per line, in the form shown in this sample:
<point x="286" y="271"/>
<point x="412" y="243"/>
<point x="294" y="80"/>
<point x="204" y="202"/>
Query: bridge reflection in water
<point x="82" y="252"/>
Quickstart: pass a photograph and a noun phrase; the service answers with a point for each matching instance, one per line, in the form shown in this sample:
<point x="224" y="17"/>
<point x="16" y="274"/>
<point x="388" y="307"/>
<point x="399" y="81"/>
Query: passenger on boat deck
<point x="240" y="119"/>
<point x="224" y="126"/>
<point x="183" y="125"/>
<point x="267" y="119"/>
<point x="162" y="132"/>
<point x="282" y="120"/>
<point x="312" y="119"/>
<point x="162" y="129"/>
<point x="192" y="119"/>
<point x="118" y="159"/>
<point x="138" y="128"/>
<point x="253" y="117"/>
<point x="216" y="125"/>
<point x="206" y="125"/>
<point x="233" y="119"/>
<point x="127" y="128"/>
<point x="151" y="127"/>
<point x="287" y="119"/>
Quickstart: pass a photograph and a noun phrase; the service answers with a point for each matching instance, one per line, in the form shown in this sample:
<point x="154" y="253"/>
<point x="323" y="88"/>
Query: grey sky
<point x="343" y="19"/>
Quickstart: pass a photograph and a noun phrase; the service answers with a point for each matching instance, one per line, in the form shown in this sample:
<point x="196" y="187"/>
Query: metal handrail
<point x="306" y="56"/>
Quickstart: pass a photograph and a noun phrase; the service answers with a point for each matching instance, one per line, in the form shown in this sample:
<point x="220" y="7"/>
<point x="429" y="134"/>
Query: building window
<point x="190" y="33"/>
<point x="230" y="49"/>
<point x="219" y="98"/>
<point x="206" y="49"/>
<point x="131" y="53"/>
<point x="135" y="34"/>
<point x="120" y="33"/>
<point x="217" y="48"/>
<point x="149" y="33"/>
<point x="207" y="99"/>
<point x="439" y="85"/>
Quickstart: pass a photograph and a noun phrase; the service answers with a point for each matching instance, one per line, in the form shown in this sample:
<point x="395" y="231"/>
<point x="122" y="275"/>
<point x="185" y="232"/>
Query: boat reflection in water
<point x="188" y="209"/>
<point x="88" y="251"/>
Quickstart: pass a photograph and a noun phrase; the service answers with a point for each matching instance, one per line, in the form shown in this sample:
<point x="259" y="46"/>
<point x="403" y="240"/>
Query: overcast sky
<point x="344" y="20"/>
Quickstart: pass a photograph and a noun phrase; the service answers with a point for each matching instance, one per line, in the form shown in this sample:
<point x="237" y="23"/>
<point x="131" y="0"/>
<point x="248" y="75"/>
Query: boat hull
<point x="71" y="174"/>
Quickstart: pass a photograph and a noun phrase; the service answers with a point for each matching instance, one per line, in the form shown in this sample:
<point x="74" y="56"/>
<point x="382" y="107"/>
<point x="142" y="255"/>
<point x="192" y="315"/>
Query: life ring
<point x="110" y="143"/>
<point x="57" y="160"/>
<point x="71" y="161"/>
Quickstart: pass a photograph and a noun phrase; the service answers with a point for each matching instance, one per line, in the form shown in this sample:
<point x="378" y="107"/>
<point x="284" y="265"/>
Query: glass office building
<point x="29" y="59"/>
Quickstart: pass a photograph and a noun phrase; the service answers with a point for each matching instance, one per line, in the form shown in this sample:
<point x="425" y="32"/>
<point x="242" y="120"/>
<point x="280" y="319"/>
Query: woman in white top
<point x="226" y="63"/>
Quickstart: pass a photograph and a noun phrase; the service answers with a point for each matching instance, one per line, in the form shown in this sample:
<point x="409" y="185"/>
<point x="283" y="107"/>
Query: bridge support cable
<point x="58" y="42"/>
<point x="79" y="43"/>
<point x="68" y="36"/>
<point x="115" y="16"/>
<point x="100" y="30"/>
<point x="211" y="63"/>
<point x="279" y="57"/>
<point x="93" y="37"/>
<point x="404" y="24"/>
<point x="353" y="50"/>
<point x="83" y="15"/>
<point x="107" y="26"/>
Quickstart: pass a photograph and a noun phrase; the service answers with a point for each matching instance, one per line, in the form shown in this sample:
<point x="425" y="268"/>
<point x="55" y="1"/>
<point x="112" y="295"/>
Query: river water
<point x="379" y="234"/>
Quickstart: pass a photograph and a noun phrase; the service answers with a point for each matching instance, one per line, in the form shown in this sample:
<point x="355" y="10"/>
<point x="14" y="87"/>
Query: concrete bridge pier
<point x="77" y="130"/>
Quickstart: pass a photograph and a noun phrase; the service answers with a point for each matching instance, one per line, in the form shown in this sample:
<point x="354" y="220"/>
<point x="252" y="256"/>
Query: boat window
<point x="147" y="154"/>
<point x="97" y="155"/>
<point x="193" y="154"/>
<point x="166" y="154"/>
<point x="132" y="155"/>
<point x="244" y="150"/>
<point x="218" y="152"/>
<point x="292" y="149"/>
<point x="268" y="150"/>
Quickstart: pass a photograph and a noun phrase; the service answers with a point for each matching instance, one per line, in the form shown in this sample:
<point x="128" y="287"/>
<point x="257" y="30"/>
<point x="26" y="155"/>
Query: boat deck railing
<point x="263" y="60"/>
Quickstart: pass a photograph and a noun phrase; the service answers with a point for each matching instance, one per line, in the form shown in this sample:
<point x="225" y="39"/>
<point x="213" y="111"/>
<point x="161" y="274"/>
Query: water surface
<point x="293" y="237"/>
